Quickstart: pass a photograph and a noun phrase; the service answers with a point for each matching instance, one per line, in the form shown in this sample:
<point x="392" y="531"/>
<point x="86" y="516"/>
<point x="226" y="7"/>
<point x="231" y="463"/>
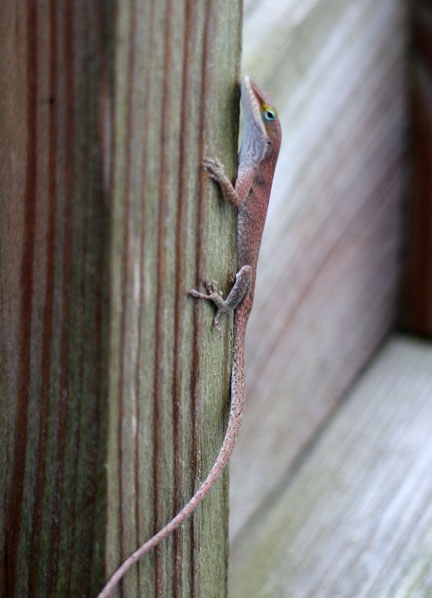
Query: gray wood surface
<point x="328" y="276"/>
<point x="355" y="519"/>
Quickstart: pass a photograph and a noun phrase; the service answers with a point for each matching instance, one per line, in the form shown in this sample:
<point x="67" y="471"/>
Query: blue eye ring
<point x="269" y="114"/>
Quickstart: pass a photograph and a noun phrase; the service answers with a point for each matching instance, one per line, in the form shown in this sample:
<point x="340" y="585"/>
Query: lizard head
<point x="261" y="127"/>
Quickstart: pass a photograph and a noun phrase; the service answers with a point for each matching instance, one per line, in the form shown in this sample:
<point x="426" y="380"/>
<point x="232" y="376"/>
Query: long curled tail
<point x="234" y="422"/>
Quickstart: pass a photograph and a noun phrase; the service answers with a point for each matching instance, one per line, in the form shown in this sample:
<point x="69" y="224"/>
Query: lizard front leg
<point x="235" y="194"/>
<point x="238" y="292"/>
<point x="216" y="172"/>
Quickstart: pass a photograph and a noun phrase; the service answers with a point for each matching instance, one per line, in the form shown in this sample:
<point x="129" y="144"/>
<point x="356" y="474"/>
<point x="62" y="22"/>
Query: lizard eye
<point x="269" y="114"/>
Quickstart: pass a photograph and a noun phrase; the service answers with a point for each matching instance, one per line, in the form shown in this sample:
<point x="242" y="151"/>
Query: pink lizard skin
<point x="259" y="152"/>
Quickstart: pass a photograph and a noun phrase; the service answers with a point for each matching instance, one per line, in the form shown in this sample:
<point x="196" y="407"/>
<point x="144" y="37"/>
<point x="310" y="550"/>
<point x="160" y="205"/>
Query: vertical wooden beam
<point x="114" y="387"/>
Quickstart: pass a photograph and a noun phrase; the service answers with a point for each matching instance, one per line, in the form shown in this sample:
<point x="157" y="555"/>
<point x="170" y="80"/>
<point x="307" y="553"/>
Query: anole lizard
<point x="257" y="161"/>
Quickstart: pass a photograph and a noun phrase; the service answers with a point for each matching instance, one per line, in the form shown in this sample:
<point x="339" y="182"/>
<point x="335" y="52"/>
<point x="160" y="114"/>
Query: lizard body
<point x="257" y="162"/>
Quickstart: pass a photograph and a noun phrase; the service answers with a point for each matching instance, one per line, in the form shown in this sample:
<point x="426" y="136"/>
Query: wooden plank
<point x="355" y="519"/>
<point x="328" y="277"/>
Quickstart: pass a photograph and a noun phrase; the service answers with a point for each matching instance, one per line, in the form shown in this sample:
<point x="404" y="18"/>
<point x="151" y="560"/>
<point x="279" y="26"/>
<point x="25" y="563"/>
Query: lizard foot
<point x="215" y="168"/>
<point x="214" y="295"/>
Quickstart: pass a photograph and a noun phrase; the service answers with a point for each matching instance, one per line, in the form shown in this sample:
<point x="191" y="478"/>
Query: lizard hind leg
<point x="238" y="292"/>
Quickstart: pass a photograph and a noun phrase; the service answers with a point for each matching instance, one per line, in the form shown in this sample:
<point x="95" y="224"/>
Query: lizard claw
<point x="216" y="323"/>
<point x="214" y="168"/>
<point x="212" y="288"/>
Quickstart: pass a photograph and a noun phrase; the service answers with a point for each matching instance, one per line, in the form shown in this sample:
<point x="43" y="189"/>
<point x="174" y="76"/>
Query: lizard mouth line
<point x="252" y="103"/>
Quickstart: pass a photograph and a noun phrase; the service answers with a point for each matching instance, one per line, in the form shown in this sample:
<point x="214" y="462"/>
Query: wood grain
<point x="169" y="371"/>
<point x="112" y="378"/>
<point x="53" y="252"/>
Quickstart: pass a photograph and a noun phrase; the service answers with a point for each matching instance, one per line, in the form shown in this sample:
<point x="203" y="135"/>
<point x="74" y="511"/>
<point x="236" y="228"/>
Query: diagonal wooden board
<point x="356" y="517"/>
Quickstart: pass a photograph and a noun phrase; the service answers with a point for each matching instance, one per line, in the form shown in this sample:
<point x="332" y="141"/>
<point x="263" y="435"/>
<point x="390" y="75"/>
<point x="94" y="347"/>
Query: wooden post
<point x="114" y="387"/>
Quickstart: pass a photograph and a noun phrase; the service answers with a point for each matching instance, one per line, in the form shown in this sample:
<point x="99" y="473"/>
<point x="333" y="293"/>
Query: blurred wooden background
<point x="346" y="260"/>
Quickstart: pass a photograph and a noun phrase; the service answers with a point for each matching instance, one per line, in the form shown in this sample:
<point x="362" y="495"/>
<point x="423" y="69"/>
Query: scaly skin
<point x="250" y="195"/>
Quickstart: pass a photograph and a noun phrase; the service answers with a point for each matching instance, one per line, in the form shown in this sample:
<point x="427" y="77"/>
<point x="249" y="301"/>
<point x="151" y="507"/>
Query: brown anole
<point x="259" y="152"/>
